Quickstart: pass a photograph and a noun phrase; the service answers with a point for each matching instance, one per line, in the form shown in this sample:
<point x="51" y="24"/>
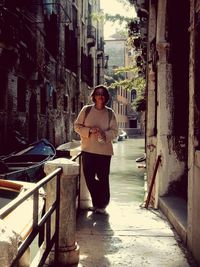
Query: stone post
<point x="8" y="244"/>
<point x="68" y="251"/>
<point x="85" y="199"/>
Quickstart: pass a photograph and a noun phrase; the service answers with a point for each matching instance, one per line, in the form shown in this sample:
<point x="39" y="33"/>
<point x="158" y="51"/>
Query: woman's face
<point x="99" y="96"/>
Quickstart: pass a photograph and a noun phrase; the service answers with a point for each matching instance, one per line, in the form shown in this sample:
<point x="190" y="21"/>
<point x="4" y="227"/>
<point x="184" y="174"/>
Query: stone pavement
<point x="128" y="236"/>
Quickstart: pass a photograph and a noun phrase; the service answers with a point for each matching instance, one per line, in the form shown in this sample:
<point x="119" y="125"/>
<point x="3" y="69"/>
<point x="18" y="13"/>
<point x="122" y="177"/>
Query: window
<point x="65" y="101"/>
<point x="3" y="84"/>
<point x="43" y="100"/>
<point x="54" y="99"/>
<point x="133" y="94"/>
<point x="81" y="104"/>
<point x="21" y="95"/>
<point x="73" y="104"/>
<point x="48" y="7"/>
<point x="51" y="37"/>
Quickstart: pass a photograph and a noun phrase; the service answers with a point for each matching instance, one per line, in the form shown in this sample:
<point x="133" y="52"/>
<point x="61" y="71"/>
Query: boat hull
<point x="27" y="165"/>
<point x="20" y="220"/>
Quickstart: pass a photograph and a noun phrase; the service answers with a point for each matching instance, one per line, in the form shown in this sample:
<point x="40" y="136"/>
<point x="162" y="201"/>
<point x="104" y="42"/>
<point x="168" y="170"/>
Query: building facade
<point x="172" y="115"/>
<point x="51" y="55"/>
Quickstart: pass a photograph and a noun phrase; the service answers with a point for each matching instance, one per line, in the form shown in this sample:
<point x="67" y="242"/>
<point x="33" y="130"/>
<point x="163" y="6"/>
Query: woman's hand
<point x="99" y="134"/>
<point x="94" y="130"/>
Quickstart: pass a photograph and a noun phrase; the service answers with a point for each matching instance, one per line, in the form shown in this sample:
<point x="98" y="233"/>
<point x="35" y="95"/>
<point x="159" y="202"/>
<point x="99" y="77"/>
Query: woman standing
<point x="97" y="126"/>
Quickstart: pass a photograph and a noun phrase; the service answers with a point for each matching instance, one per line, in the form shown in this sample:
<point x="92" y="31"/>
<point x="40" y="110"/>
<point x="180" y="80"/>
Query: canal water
<point x="126" y="179"/>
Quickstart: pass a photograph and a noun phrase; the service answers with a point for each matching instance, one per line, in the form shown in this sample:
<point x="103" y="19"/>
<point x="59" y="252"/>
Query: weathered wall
<point x="173" y="106"/>
<point x="160" y="115"/>
<point x="151" y="115"/>
<point x="193" y="229"/>
<point x="49" y="61"/>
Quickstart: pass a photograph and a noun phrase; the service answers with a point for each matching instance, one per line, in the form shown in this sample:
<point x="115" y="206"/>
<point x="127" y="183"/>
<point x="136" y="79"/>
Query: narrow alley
<point x="128" y="236"/>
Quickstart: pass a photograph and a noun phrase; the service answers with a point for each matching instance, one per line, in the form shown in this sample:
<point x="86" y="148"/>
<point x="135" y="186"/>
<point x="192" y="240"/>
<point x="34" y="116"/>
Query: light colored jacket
<point x="102" y="120"/>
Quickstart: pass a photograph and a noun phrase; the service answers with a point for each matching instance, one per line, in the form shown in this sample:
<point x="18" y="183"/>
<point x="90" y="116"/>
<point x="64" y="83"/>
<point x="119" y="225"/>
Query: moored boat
<point x="8" y="192"/>
<point x="27" y="164"/>
<point x="18" y="222"/>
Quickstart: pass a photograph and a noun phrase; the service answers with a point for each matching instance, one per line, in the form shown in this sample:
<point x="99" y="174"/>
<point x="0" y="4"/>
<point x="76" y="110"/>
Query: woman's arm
<point x="79" y="126"/>
<point x="112" y="132"/>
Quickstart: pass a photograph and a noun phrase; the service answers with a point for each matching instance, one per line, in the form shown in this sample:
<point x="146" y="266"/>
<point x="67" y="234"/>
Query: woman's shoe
<point x="100" y="211"/>
<point x="92" y="208"/>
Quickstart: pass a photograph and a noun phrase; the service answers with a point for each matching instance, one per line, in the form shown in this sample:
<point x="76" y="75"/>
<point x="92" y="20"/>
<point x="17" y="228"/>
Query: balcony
<point x="91" y="36"/>
<point x="86" y="69"/>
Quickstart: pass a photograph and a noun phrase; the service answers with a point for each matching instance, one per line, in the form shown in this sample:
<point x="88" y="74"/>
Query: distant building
<point x="119" y="56"/>
<point x="116" y="50"/>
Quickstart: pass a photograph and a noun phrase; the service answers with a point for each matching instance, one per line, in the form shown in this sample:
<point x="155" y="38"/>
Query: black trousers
<point x="96" y="169"/>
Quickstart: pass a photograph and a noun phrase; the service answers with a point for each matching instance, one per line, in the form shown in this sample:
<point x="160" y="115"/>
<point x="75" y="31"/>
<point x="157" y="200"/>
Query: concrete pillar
<point x="68" y="248"/>
<point x="85" y="199"/>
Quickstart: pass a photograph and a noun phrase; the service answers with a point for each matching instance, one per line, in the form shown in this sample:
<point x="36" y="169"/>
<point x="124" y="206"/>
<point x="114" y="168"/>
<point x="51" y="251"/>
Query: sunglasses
<point x="100" y="94"/>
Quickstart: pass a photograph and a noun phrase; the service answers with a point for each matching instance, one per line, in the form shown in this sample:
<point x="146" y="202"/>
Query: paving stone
<point x="129" y="235"/>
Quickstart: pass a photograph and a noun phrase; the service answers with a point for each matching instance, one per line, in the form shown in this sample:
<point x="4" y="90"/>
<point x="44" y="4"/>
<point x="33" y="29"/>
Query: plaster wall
<point x="193" y="230"/>
<point x="171" y="168"/>
<point x="163" y="141"/>
<point x="152" y="21"/>
<point x="151" y="115"/>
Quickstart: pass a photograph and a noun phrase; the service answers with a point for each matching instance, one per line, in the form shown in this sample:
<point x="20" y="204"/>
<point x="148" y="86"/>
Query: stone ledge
<point x="175" y="209"/>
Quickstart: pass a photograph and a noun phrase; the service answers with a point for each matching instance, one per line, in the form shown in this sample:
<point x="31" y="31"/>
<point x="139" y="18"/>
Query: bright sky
<point x="113" y="7"/>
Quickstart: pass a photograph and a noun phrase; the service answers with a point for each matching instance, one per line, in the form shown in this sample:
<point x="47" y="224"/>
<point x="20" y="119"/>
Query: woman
<point x="97" y="127"/>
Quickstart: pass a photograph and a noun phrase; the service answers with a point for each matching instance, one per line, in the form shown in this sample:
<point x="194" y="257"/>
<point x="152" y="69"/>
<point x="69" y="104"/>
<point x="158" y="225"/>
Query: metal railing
<point x="39" y="224"/>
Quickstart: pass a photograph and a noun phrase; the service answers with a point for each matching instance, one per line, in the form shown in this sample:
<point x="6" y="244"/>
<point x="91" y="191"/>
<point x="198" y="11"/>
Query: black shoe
<point x="100" y="211"/>
<point x="92" y="209"/>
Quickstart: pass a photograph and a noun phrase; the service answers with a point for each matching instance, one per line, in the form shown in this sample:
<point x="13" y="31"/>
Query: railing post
<point x="68" y="250"/>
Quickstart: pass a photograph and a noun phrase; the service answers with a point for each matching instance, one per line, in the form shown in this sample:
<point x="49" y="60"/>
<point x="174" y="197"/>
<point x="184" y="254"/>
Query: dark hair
<point x="105" y="91"/>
